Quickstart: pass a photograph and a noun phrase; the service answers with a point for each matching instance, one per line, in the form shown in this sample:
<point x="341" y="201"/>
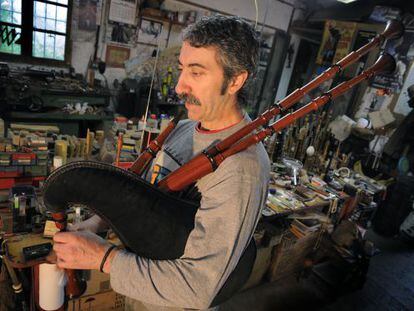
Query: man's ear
<point x="237" y="82"/>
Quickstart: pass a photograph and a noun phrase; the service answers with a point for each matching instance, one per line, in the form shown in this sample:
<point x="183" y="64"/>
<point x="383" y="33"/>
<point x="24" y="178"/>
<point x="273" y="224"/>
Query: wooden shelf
<point x="157" y="18"/>
<point x="56" y="116"/>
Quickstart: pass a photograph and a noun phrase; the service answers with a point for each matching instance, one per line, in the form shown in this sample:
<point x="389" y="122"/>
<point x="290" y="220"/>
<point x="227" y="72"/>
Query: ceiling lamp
<point x="346" y="1"/>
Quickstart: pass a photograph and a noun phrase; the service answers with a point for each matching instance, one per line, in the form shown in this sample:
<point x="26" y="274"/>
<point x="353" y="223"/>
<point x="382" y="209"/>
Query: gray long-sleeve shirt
<point x="232" y="198"/>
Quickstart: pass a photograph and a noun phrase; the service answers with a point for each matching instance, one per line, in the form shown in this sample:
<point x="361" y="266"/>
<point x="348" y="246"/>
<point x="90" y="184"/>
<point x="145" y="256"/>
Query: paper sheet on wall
<point x="99" y="12"/>
<point x="381" y="118"/>
<point x="336" y="42"/>
<point x="402" y="105"/>
<point x="341" y="127"/>
<point x="373" y="100"/>
<point x="123" y="11"/>
<point x="87" y="15"/>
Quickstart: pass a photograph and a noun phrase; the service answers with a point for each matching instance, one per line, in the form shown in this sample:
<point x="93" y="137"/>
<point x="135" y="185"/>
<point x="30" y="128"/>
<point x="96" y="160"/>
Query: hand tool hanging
<point x="17" y="286"/>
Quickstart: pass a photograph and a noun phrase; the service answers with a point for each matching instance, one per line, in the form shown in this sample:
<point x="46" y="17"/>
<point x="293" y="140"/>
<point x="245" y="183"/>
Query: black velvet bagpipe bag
<point x="149" y="222"/>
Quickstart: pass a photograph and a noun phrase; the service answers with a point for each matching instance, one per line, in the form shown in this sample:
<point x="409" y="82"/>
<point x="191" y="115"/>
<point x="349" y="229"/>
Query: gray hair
<point x="237" y="44"/>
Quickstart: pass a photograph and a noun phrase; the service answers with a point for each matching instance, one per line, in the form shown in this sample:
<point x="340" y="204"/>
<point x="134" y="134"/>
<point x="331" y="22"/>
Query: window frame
<point x="28" y="28"/>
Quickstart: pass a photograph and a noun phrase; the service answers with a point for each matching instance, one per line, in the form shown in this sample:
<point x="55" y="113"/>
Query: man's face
<point x="200" y="84"/>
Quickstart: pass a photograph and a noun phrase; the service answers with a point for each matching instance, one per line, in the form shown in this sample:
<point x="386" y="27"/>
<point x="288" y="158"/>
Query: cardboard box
<point x="97" y="282"/>
<point x="290" y="255"/>
<point x="261" y="266"/>
<point x="107" y="301"/>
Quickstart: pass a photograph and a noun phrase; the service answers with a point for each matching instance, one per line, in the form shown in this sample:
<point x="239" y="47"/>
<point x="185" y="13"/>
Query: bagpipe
<point x="153" y="222"/>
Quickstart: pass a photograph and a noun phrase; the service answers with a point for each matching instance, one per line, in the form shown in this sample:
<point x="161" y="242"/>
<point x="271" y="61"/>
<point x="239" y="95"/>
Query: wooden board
<point x="35" y="128"/>
<point x="14" y="249"/>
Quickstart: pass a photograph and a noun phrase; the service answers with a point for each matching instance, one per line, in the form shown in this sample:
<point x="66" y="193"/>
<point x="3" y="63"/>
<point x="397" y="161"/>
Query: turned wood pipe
<point x="118" y="149"/>
<point x="141" y="164"/>
<point x="205" y="164"/>
<point x="75" y="287"/>
<point x="17" y="286"/>
<point x="393" y="30"/>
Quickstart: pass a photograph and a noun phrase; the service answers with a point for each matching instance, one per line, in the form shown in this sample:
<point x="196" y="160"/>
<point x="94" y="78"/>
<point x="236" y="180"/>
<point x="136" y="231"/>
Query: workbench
<point x="71" y="124"/>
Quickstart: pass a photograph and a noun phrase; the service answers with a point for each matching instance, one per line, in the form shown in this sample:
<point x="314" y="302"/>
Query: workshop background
<point x="94" y="80"/>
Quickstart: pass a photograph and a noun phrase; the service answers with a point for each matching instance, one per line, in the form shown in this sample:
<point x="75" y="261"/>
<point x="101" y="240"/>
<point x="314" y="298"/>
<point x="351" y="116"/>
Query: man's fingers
<point x="61" y="263"/>
<point x="63" y="237"/>
<point x="59" y="248"/>
<point x="63" y="253"/>
<point x="51" y="258"/>
<point x="79" y="250"/>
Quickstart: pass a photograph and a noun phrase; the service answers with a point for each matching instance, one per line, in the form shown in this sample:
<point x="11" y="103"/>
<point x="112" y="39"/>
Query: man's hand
<point x="93" y="224"/>
<point x="79" y="250"/>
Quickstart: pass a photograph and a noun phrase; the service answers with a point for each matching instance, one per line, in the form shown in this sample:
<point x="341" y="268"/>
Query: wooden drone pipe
<point x="141" y="164"/>
<point x="17" y="286"/>
<point x="204" y="164"/>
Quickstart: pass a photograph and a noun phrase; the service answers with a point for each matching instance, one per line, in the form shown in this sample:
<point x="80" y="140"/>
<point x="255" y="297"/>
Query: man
<point x="218" y="56"/>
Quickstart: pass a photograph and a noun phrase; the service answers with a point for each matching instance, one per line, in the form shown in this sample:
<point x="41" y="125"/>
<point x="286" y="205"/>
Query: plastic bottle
<point x="164" y="89"/>
<point x="152" y="121"/>
<point x="169" y="77"/>
<point x="164" y="121"/>
<point x="1" y="127"/>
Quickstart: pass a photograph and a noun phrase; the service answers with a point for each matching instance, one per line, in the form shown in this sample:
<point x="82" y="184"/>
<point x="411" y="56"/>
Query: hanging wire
<point x="265" y="16"/>
<point x="257" y="14"/>
<point x="154" y="70"/>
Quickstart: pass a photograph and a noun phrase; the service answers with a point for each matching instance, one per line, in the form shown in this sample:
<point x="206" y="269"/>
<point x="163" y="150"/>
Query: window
<point x="10" y="18"/>
<point x="34" y="29"/>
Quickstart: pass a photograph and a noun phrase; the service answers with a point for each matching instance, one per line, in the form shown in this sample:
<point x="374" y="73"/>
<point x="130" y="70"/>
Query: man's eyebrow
<point x="197" y="65"/>
<point x="193" y="65"/>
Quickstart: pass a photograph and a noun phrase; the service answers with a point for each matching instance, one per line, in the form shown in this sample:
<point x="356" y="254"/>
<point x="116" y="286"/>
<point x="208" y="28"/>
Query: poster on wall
<point x="116" y="56"/>
<point x="402" y="106"/>
<point x="99" y="8"/>
<point x="87" y="15"/>
<point x="121" y="34"/>
<point x="336" y="42"/>
<point x="382" y="14"/>
<point x="149" y="31"/>
<point x="403" y="51"/>
<point x="373" y="100"/>
<point x="123" y="11"/>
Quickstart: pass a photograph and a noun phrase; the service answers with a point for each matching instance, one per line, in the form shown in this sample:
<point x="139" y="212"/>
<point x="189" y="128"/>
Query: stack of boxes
<point x="22" y="168"/>
<point x="23" y="159"/>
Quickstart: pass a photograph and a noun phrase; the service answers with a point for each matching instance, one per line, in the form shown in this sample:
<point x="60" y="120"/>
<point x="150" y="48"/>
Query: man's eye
<point x="196" y="74"/>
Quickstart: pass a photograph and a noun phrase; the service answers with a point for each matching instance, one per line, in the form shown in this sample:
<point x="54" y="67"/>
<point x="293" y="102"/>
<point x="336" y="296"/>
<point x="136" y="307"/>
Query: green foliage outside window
<point x="49" y="27"/>
<point x="11" y="13"/>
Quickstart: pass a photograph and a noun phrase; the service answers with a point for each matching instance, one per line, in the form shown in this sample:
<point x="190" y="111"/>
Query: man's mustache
<point x="191" y="99"/>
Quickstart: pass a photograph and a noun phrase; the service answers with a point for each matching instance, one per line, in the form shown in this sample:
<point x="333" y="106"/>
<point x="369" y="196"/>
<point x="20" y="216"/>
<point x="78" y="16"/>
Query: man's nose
<point x="182" y="86"/>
